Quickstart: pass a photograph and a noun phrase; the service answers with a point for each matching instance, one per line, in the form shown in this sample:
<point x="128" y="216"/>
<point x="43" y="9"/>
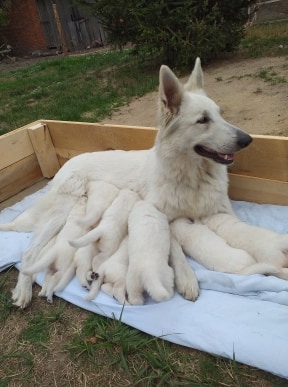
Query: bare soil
<point x="252" y="94"/>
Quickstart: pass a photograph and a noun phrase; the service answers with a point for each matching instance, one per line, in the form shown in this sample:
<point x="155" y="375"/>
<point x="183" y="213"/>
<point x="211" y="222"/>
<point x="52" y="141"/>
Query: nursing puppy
<point x="183" y="175"/>
<point x="58" y="260"/>
<point x="112" y="274"/>
<point x="100" y="196"/>
<point x="112" y="228"/>
<point x="148" y="250"/>
<point x="212" y="251"/>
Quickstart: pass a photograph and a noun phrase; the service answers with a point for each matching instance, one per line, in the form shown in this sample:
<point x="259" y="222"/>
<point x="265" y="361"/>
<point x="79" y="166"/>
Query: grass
<point x="60" y="344"/>
<point x="63" y="345"/>
<point x="266" y="39"/>
<point x="75" y="88"/>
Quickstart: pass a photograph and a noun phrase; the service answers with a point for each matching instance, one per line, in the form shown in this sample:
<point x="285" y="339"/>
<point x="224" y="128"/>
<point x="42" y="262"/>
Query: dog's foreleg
<point x="185" y="279"/>
<point x="22" y="294"/>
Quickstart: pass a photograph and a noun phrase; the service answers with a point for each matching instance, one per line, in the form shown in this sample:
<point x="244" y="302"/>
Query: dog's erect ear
<point x="170" y="89"/>
<point x="196" y="79"/>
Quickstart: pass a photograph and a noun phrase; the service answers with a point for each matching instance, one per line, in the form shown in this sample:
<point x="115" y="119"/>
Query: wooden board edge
<point x="258" y="190"/>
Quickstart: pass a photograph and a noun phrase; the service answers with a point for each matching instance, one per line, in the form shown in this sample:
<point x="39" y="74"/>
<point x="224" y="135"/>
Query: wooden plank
<point x="266" y="157"/>
<point x="44" y="149"/>
<point x="18" y="176"/>
<point x="14" y="146"/>
<point x="86" y="137"/>
<point x="257" y="190"/>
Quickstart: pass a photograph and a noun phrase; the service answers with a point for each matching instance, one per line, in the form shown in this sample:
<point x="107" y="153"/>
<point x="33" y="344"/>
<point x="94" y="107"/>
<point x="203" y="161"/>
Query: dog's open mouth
<point x="222" y="158"/>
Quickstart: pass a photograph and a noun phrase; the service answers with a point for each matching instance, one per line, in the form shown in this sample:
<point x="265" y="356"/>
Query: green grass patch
<point x="265" y="39"/>
<point x="75" y="88"/>
<point x="39" y="325"/>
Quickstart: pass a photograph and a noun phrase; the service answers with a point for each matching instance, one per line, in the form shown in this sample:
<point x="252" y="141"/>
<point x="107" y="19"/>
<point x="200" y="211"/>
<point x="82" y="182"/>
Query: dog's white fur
<point x="83" y="262"/>
<point x="208" y="248"/>
<point x="112" y="273"/>
<point x="58" y="260"/>
<point x="112" y="228"/>
<point x="183" y="175"/>
<point x="100" y="196"/>
<point x="148" y="250"/>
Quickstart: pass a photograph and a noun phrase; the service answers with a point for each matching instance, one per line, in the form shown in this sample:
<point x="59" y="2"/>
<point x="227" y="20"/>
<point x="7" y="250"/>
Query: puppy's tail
<point x="90" y="219"/>
<point x="91" y="236"/>
<point x="261" y="268"/>
<point x="42" y="263"/>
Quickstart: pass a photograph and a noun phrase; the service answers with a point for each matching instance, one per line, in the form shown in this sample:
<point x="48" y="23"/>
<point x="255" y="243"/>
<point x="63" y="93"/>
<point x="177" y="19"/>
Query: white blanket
<point x="237" y="317"/>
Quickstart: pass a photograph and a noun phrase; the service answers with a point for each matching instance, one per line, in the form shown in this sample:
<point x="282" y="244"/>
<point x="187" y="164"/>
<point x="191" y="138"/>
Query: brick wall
<point x="24" y="32"/>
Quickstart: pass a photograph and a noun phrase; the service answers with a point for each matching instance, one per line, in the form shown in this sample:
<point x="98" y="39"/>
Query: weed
<point x="266" y="39"/>
<point x="68" y="88"/>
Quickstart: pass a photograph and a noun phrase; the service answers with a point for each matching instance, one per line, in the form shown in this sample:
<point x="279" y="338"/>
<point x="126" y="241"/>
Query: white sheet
<point x="241" y="317"/>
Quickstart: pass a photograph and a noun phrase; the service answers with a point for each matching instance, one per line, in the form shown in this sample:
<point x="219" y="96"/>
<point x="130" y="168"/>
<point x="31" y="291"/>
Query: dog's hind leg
<point x="185" y="279"/>
<point x="96" y="285"/>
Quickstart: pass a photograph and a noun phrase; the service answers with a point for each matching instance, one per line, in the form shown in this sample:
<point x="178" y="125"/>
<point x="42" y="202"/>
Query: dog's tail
<point x="42" y="263"/>
<point x="261" y="268"/>
<point x="91" y="236"/>
<point x="90" y="219"/>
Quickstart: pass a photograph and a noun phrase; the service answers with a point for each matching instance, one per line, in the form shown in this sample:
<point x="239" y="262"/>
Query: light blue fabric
<point x="241" y="317"/>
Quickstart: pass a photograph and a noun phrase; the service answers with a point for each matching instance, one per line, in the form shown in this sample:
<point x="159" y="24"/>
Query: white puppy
<point x="265" y="246"/>
<point x="209" y="249"/>
<point x="112" y="273"/>
<point x="112" y="229"/>
<point x="58" y="260"/>
<point x="100" y="196"/>
<point x="148" y="250"/>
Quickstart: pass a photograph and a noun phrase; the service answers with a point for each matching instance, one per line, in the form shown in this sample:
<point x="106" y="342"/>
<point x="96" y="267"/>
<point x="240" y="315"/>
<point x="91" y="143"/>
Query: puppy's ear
<point x="195" y="82"/>
<point x="170" y="89"/>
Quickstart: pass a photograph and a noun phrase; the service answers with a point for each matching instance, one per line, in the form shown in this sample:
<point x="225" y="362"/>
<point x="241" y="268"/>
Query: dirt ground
<point x="252" y="94"/>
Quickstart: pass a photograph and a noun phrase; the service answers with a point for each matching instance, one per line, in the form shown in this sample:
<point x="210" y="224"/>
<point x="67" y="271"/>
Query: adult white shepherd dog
<point x="184" y="175"/>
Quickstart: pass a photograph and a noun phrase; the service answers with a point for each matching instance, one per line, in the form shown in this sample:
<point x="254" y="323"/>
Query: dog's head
<point x="192" y="121"/>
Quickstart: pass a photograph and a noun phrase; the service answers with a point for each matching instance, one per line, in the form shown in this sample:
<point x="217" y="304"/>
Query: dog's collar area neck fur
<point x="221" y="158"/>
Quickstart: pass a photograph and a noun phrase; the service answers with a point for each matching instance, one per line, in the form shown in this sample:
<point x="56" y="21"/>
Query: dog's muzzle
<point x="243" y="139"/>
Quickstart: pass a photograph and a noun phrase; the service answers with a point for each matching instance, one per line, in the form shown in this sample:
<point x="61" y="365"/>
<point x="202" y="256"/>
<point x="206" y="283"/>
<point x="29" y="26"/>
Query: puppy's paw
<point x="187" y="285"/>
<point x="135" y="299"/>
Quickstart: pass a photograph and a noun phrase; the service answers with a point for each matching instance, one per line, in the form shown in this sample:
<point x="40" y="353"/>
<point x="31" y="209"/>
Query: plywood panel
<point x="44" y="149"/>
<point x="87" y="137"/>
<point x="14" y="146"/>
<point x="257" y="190"/>
<point x="18" y="176"/>
<point x="266" y="157"/>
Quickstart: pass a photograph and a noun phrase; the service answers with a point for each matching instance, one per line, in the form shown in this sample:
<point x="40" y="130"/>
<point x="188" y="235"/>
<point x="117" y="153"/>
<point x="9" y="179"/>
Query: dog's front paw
<point x="187" y="285"/>
<point x="22" y="294"/>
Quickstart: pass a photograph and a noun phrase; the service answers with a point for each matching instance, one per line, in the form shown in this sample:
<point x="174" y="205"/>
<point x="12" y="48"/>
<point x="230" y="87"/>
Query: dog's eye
<point x="203" y="120"/>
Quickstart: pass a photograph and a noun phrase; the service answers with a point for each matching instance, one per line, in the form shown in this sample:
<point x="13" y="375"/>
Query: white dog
<point x="111" y="275"/>
<point x="58" y="260"/>
<point x="183" y="175"/>
<point x="148" y="250"/>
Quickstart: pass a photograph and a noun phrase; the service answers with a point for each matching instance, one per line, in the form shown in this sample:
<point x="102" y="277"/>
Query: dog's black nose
<point x="243" y="139"/>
